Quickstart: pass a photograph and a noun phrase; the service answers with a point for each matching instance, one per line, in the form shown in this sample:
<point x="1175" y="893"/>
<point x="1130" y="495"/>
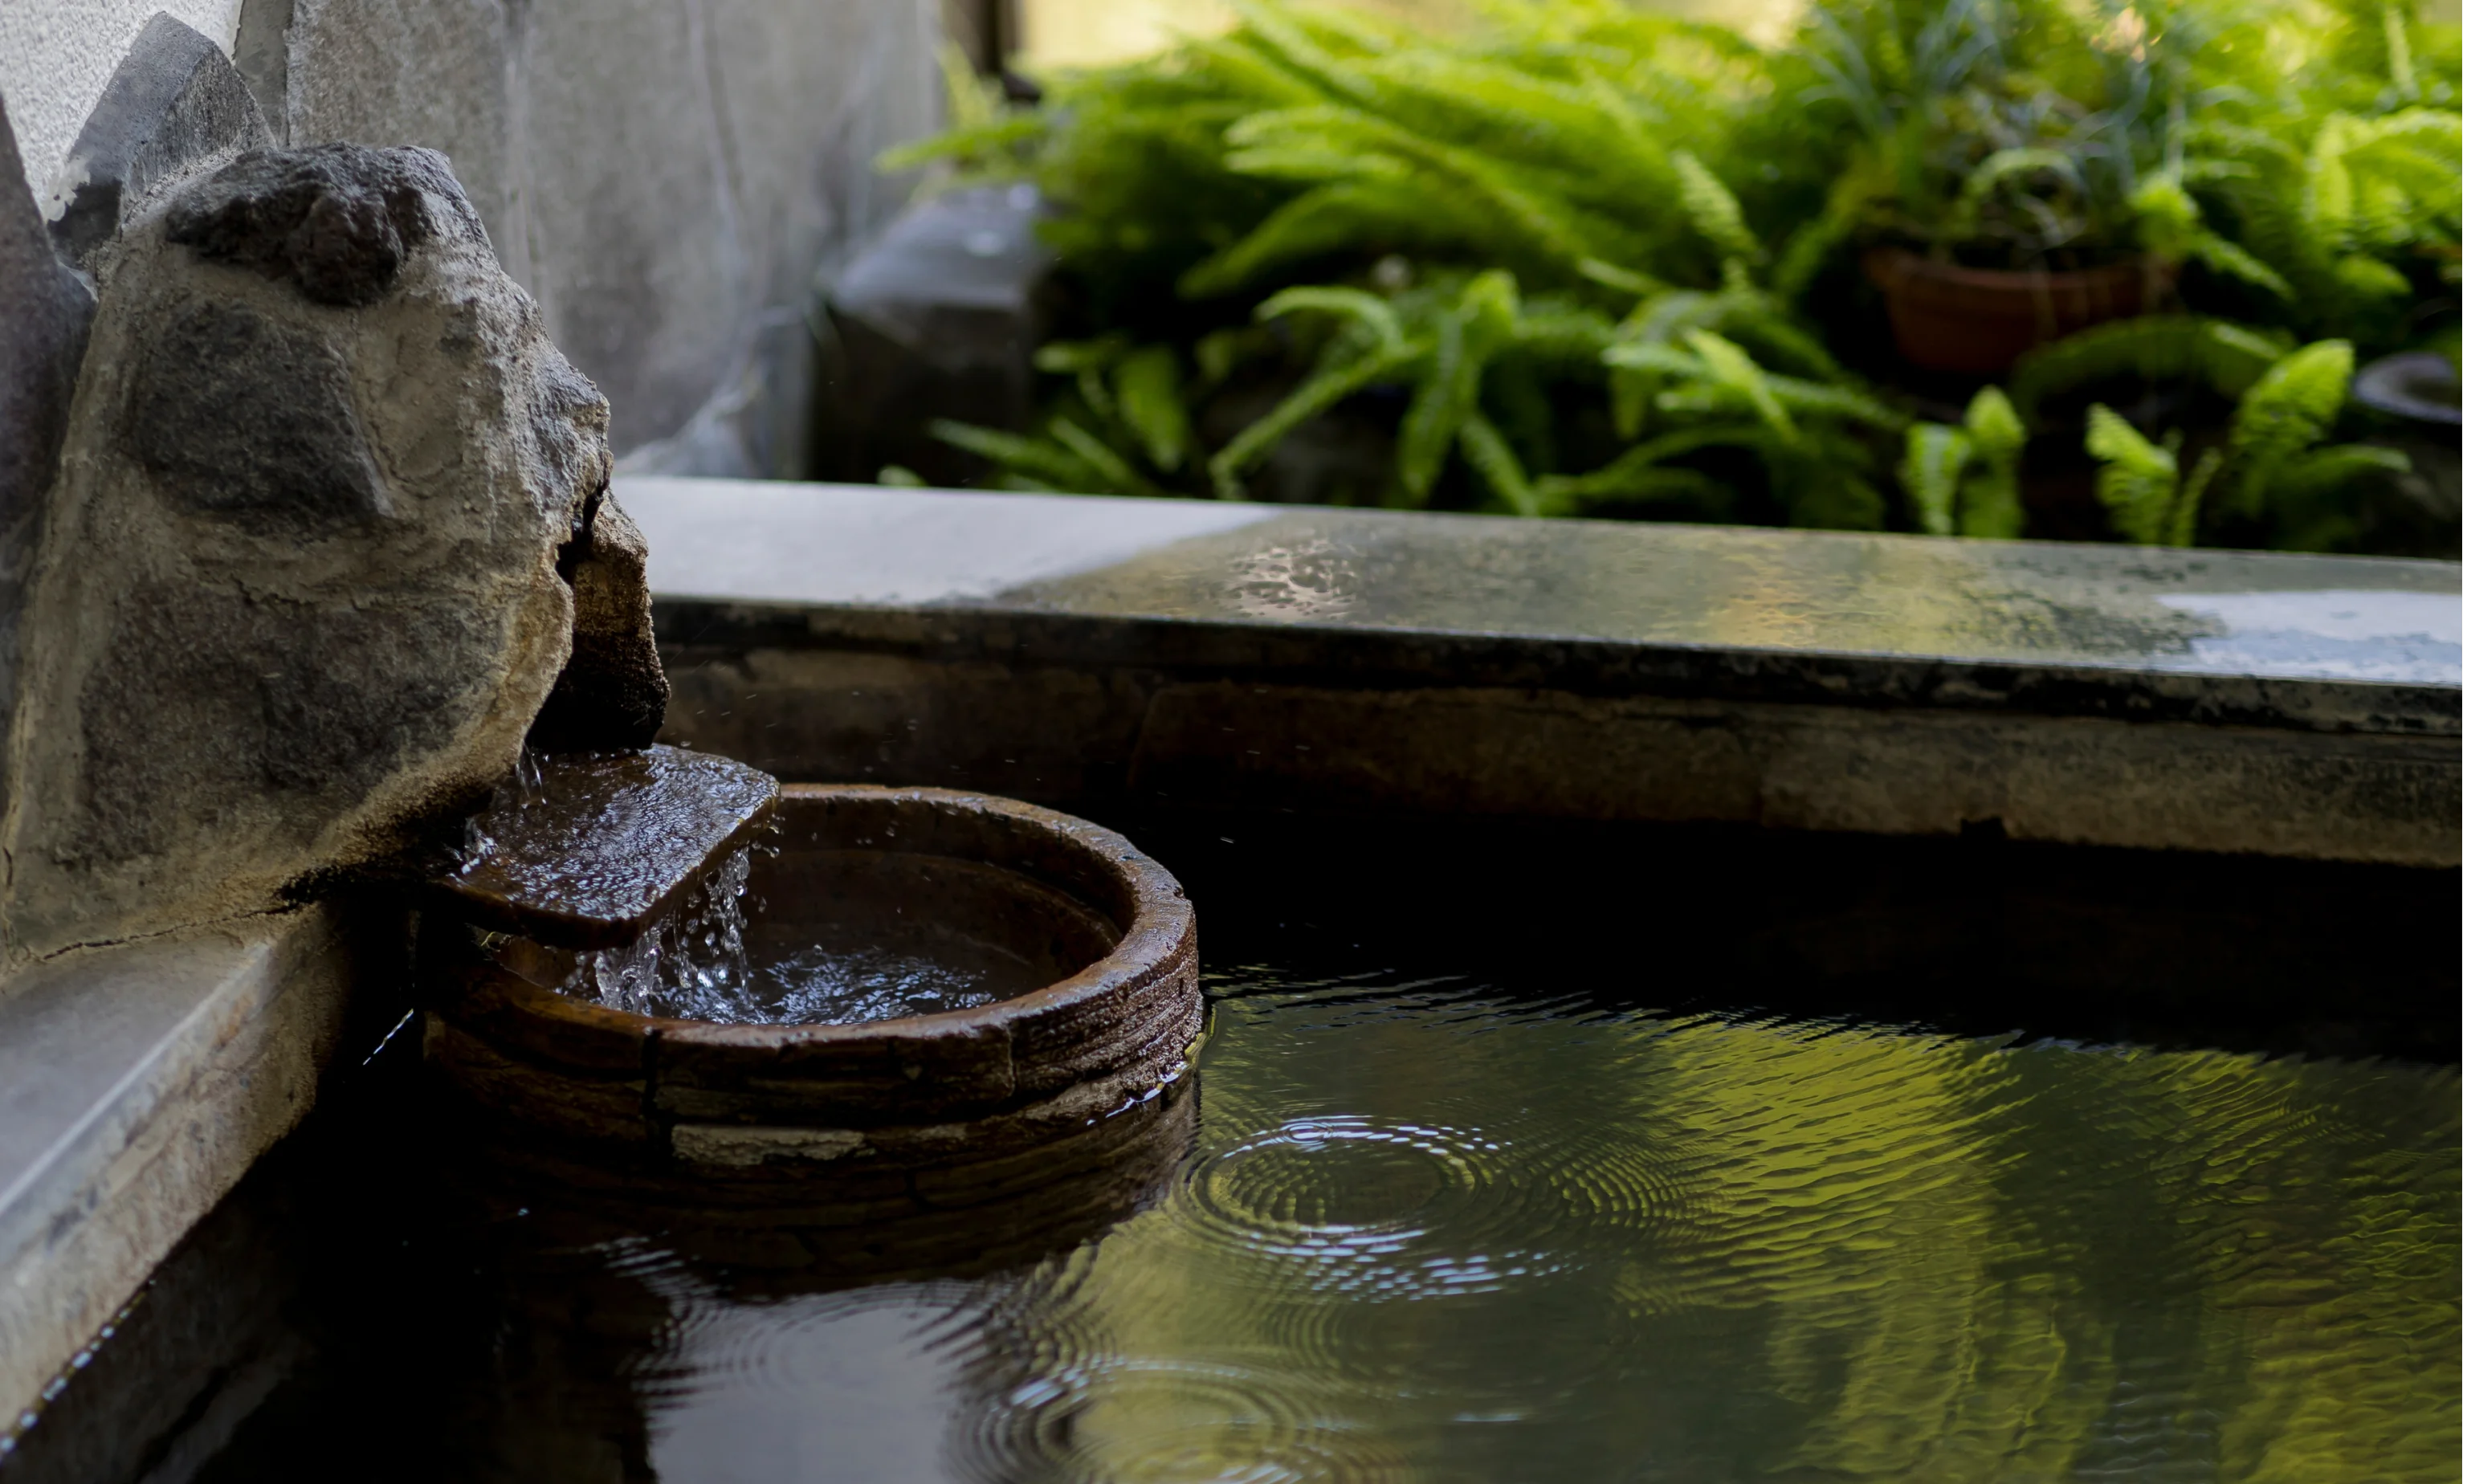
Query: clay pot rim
<point x="1888" y="265"/>
<point x="1161" y="925"/>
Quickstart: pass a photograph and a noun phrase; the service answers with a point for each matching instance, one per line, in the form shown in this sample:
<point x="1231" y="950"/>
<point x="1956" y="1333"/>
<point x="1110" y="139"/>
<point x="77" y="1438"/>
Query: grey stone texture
<point x="137" y="1084"/>
<point x="45" y="309"/>
<point x="336" y="220"/>
<point x="611" y="693"/>
<point x="175" y="101"/>
<point x="297" y="597"/>
<point x="1370" y="663"/>
<point x="940" y="316"/>
<point x="261" y="52"/>
<point x="662" y="175"/>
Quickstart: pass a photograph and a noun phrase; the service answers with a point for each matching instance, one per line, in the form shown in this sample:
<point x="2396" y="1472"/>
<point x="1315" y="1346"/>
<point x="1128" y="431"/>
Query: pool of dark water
<point x="1434" y="1215"/>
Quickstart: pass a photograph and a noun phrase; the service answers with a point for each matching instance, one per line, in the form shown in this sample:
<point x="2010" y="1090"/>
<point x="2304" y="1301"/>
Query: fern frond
<point x="1933" y="460"/>
<point x="1994" y="427"/>
<point x="1562" y="494"/>
<point x="1988" y="175"/>
<point x="1290" y="45"/>
<point x="2153" y="347"/>
<point x="1804" y="398"/>
<point x="2184" y="515"/>
<point x="1321" y="221"/>
<point x="1713" y="210"/>
<point x="1148" y="389"/>
<point x="1734" y="371"/>
<point x="1366" y="309"/>
<point x="1040" y="459"/>
<point x="1483" y="318"/>
<point x="2223" y="257"/>
<point x="2287" y="411"/>
<point x="1113" y="471"/>
<point x="1322" y="390"/>
<point x="2327" y="470"/>
<point x="1561" y="334"/>
<point x="2136" y="478"/>
<point x="1991" y="495"/>
<point x="1497" y="464"/>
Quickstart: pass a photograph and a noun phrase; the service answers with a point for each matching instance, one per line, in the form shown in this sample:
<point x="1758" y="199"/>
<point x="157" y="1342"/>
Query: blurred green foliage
<point x="1585" y="258"/>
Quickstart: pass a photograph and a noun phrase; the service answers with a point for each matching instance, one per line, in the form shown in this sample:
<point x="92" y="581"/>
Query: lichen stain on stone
<point x="238" y="415"/>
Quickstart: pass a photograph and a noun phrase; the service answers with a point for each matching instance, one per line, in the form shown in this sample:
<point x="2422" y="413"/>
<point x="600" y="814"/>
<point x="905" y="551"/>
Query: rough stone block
<point x="174" y="103"/>
<point x="939" y="316"/>
<point x="46" y="309"/>
<point x="299" y="598"/>
<point x="613" y="693"/>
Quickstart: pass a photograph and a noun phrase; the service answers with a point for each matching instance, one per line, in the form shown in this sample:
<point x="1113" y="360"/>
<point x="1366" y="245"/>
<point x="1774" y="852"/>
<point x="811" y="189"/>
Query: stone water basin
<point x="939" y="996"/>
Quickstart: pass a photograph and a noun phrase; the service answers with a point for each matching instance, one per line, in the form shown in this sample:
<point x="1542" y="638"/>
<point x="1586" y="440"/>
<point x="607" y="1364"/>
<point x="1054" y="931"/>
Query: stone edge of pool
<point x="1083" y="651"/>
<point x="1077" y="651"/>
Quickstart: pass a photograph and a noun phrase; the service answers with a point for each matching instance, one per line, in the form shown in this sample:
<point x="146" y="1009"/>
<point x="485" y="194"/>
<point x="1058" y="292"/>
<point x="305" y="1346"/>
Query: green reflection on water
<point x="1432" y="1235"/>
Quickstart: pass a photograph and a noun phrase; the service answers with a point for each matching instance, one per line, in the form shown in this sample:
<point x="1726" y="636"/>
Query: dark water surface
<point x="1436" y="1225"/>
<point x="1438" y="1230"/>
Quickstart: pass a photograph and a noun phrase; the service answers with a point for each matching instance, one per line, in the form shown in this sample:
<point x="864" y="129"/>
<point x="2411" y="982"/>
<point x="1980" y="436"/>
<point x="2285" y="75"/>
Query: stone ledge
<point x="137" y="1084"/>
<point x="1089" y="653"/>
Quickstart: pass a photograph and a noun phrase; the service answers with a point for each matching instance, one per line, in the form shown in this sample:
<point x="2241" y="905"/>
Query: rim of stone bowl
<point x="1135" y="1009"/>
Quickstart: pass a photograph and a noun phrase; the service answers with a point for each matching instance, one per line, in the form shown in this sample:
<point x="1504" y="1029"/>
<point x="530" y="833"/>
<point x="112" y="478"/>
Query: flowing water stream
<point x="704" y="961"/>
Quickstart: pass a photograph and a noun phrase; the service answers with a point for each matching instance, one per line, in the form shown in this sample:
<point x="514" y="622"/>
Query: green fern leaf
<point x="1366" y="309"/>
<point x="1040" y="458"/>
<point x="1560" y="494"/>
<point x="2287" y="412"/>
<point x="1322" y="390"/>
<point x="1994" y="171"/>
<point x="1994" y="427"/>
<point x="2136" y="478"/>
<point x="1933" y="460"/>
<point x="1148" y="389"/>
<point x="2333" y="470"/>
<point x="1734" y="371"/>
<point x="2152" y="348"/>
<point x="1497" y="464"/>
<point x="1713" y="210"/>
<point x="1114" y="473"/>
<point x="1991" y="495"/>
<point x="2184" y="515"/>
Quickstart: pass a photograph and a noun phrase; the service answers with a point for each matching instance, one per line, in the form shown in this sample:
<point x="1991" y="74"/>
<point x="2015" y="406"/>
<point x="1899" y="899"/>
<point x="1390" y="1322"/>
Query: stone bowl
<point x="871" y="1120"/>
<point x="783" y="1236"/>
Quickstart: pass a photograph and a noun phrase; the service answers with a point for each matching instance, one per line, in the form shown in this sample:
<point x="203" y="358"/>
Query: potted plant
<point x="2017" y="176"/>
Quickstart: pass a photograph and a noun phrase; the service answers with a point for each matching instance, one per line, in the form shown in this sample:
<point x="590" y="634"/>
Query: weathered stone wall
<point x="662" y="175"/>
<point x="58" y="55"/>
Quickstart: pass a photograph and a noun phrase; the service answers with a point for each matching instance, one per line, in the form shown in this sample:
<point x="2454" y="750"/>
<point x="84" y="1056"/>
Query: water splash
<point x="523" y="788"/>
<point x="691" y="966"/>
<point x="834" y="984"/>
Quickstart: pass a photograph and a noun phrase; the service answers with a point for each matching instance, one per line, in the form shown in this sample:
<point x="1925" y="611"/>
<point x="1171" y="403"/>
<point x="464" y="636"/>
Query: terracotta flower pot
<point x="880" y="1115"/>
<point x="1979" y="321"/>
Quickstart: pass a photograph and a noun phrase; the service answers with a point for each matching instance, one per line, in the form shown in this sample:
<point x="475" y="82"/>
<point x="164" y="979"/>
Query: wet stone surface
<point x="585" y="850"/>
<point x="2360" y="645"/>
